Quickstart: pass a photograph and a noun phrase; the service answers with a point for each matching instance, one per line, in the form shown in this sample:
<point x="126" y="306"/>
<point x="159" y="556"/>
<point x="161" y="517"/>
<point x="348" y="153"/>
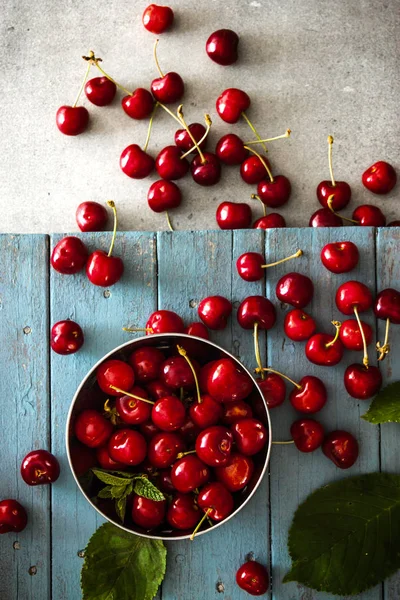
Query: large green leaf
<point x="385" y="407"/>
<point x="122" y="566"/>
<point x="345" y="537"/>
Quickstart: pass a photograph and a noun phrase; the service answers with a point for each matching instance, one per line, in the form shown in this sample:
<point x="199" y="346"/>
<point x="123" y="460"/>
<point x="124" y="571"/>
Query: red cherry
<point x="226" y="382"/>
<point x="203" y="375"/>
<point x="298" y="325"/>
<point x="324" y="349"/>
<point x="139" y="104"/>
<point x="148" y="429"/>
<point x="368" y="215"/>
<point x="128" y="447"/>
<point x="136" y="163"/>
<point x="165" y="321"/>
<point x="350" y="334"/>
<point x="362" y="382"/>
<point x="116" y="373"/>
<point x="222" y="47"/>
<point x="205" y="413"/>
<point x="230" y="150"/>
<point x="147" y="513"/>
<point x="353" y="294"/>
<point x="40" y="467"/>
<point x="310" y="397"/>
<point x="234" y="411"/>
<point x="324" y="217"/>
<point x="256" y="309"/>
<point x="104" y="270"/>
<point x="69" y="255"/>
<point x="253" y="578"/>
<point x="237" y="473"/>
<point x="91" y="216"/>
<point x="207" y="172"/>
<point x="380" y="178"/>
<point x="185" y="142"/>
<point x="92" y="429"/>
<point x="340" y="257"/>
<point x="13" y="516"/>
<point x="131" y="410"/>
<point x="176" y="373"/>
<point x="66" y="337"/>
<point x="295" y="289"/>
<point x="341" y="447"/>
<point x="216" y="497"/>
<point x="183" y="512"/>
<point x="146" y="363"/>
<point x="157" y="389"/>
<point x="271" y="221"/>
<point x="213" y="445"/>
<point x="189" y="473"/>
<point x="387" y="305"/>
<point x="273" y="389"/>
<point x="250" y="436"/>
<point x="168" y="89"/>
<point x="100" y="91"/>
<point x="231" y="103"/>
<point x="157" y="19"/>
<point x="233" y="215"/>
<point x="72" y="120"/>
<point x="249" y="266"/>
<point x="339" y="194"/>
<point x="168" y="413"/>
<point x="252" y="170"/>
<point x="307" y="434"/>
<point x="274" y="193"/>
<point x="163" y="449"/>
<point x="169" y="164"/>
<point x="105" y="461"/>
<point x="198" y="330"/>
<point x="214" y="311"/>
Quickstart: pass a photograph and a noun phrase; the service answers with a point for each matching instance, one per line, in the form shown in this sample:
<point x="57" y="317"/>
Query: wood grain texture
<point x="24" y="414"/>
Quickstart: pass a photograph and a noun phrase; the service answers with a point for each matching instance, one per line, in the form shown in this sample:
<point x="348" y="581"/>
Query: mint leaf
<point x="144" y="487"/>
<point x="106" y="492"/>
<point x="122" y="566"/>
<point x="345" y="537"/>
<point x="120" y="507"/>
<point x="385" y="407"/>
<point x="109" y="479"/>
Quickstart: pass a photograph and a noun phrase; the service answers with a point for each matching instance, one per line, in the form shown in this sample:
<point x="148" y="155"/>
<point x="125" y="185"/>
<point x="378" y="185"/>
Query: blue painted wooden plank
<point x="295" y="475"/>
<point x="102" y="314"/>
<point x="24" y="415"/>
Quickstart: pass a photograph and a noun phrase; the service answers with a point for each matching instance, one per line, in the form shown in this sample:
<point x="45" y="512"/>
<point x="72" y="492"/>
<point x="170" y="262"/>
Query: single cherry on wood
<point x="299" y="325"/>
<point x="256" y="310"/>
<point x="102" y="268"/>
<point x="355" y="297"/>
<point x="157" y="19"/>
<point x="295" y="289"/>
<point x="340" y="257"/>
<point x="13" y="517"/>
<point x="222" y="47"/>
<point x="309" y="395"/>
<point x="253" y="577"/>
<point x="91" y="216"/>
<point x="324" y="217"/>
<point x="325" y="349"/>
<point x="339" y="192"/>
<point x="273" y="389"/>
<point x="307" y="434"/>
<point x="250" y="265"/>
<point x="362" y="382"/>
<point x="233" y="215"/>
<point x="341" y="447"/>
<point x="161" y="321"/>
<point x="351" y="336"/>
<point x="215" y="311"/>
<point x="66" y="337"/>
<point x="69" y="255"/>
<point x="368" y="215"/>
<point x="387" y="307"/>
<point x="40" y="467"/>
<point x="380" y="178"/>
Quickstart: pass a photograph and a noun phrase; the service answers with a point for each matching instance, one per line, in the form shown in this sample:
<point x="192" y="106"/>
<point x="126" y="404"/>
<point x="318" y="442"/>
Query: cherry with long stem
<point x="260" y="158"/>
<point x="329" y="203"/>
<point x="269" y="370"/>
<point x="330" y="144"/>
<point x="138" y="329"/>
<point x="208" y="123"/>
<point x="338" y="325"/>
<point x="146" y="143"/>
<point x="93" y="60"/>
<point x="254" y="130"/>
<point x="83" y="85"/>
<point x="183" y="353"/>
<point x="256" y="197"/>
<point x="385" y="347"/>
<point x="272" y="139"/>
<point x="200" y="523"/>
<point x="179" y="112"/>
<point x="116" y="389"/>
<point x="365" y="357"/>
<point x="111" y="204"/>
<point x="297" y="254"/>
<point x="257" y="351"/>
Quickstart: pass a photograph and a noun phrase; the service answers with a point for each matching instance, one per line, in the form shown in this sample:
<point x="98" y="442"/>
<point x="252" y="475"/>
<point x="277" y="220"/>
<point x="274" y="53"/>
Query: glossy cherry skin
<point x="131" y="410"/>
<point x="136" y="163"/>
<point x="256" y="309"/>
<point x="299" y="325"/>
<point x="198" y="330"/>
<point x="69" y="256"/>
<point x="128" y="447"/>
<point x="72" y="120"/>
<point x="100" y="91"/>
<point x="250" y="436"/>
<point x="138" y="105"/>
<point x="91" y="216"/>
<point x="387" y="305"/>
<point x="253" y="578"/>
<point x="341" y="447"/>
<point x="353" y="294"/>
<point x="157" y="389"/>
<point x="311" y="397"/>
<point x="340" y="257"/>
<point x="307" y="434"/>
<point x="203" y="375"/>
<point x="104" y="270"/>
<point x="183" y="139"/>
<point x="189" y="473"/>
<point x="215" y="496"/>
<point x="368" y="215"/>
<point x="237" y="473"/>
<point x="169" y="164"/>
<point x="234" y="411"/>
<point x="249" y="266"/>
<point x="183" y="512"/>
<point x="176" y="373"/>
<point x="214" y="445"/>
<point x="40" y="467"/>
<point x="350" y="334"/>
<point x="206" y="173"/>
<point x="163" y="449"/>
<point x="233" y="215"/>
<point x="252" y="171"/>
<point x="271" y="221"/>
<point x="273" y="389"/>
<point x="341" y="193"/>
<point x="92" y="429"/>
<point x="105" y="461"/>
<point x="115" y="373"/>
<point x="362" y="383"/>
<point x="231" y="103"/>
<point x="168" y="413"/>
<point x="206" y="413"/>
<point x="147" y="513"/>
<point x="13" y="516"/>
<point x="226" y="382"/>
<point x="168" y="89"/>
<point x="274" y="193"/>
<point x="325" y="218"/>
<point x="319" y="353"/>
<point x="157" y="19"/>
<point x="215" y="311"/>
<point x="146" y="363"/>
<point x="66" y="337"/>
<point x="295" y="289"/>
<point x="222" y="47"/>
<point x="230" y="150"/>
<point x="380" y="178"/>
<point x="165" y="321"/>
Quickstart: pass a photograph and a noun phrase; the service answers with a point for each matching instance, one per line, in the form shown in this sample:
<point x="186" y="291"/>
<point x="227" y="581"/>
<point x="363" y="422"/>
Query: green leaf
<point x="144" y="487"/>
<point x="345" y="538"/>
<point x="106" y="492"/>
<point x="122" y="566"/>
<point x="109" y="479"/>
<point x="385" y="407"/>
<point x="120" y="507"/>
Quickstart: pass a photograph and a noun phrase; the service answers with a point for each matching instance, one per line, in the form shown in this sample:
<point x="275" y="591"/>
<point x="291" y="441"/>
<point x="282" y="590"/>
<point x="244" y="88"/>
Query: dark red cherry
<point x="214" y="445"/>
<point x="214" y="311"/>
<point x="380" y="178"/>
<point x="252" y="170"/>
<point x="105" y="461"/>
<point x="310" y="397"/>
<point x="234" y="215"/>
<point x="226" y="382"/>
<point x="185" y="142"/>
<point x="168" y="413"/>
<point x="256" y="309"/>
<point x="66" y="337"/>
<point x="231" y="103"/>
<point x="116" y="373"/>
<point x="273" y="389"/>
<point x="136" y="163"/>
<point x="341" y="447"/>
<point x="274" y="193"/>
<point x="148" y="513"/>
<point x="157" y="389"/>
<point x="249" y="266"/>
<point x="339" y="194"/>
<point x="207" y="172"/>
<point x="250" y="436"/>
<point x="237" y="473"/>
<point x="72" y="120"/>
<point x="203" y="375"/>
<point x="183" y="512"/>
<point x="362" y="382"/>
<point x="222" y="47"/>
<point x="350" y="334"/>
<point x="176" y="373"/>
<point x="230" y="150"/>
<point x="253" y="578"/>
<point x="164" y="321"/>
<point x="69" y="256"/>
<point x="387" y="305"/>
<point x="271" y="221"/>
<point x="164" y="482"/>
<point x="91" y="216"/>
<point x="198" y="330"/>
<point x="82" y="458"/>
<point x="128" y="447"/>
<point x="216" y="497"/>
<point x="168" y="89"/>
<point x="40" y="467"/>
<point x="13" y="516"/>
<point x="189" y="431"/>
<point x="146" y="363"/>
<point x="100" y="91"/>
<point x="340" y="257"/>
<point x="368" y="215"/>
<point x="157" y="19"/>
<point x="307" y="434"/>
<point x="139" y="104"/>
<point x="189" y="473"/>
<point x="104" y="270"/>
<point x="163" y="449"/>
<point x="131" y="410"/>
<point x="170" y="165"/>
<point x="92" y="429"/>
<point x="295" y="289"/>
<point x="299" y="325"/>
<point x="205" y="413"/>
<point x="234" y="411"/>
<point x="324" y="217"/>
<point x="323" y="349"/>
<point x="353" y="294"/>
<point x="148" y="429"/>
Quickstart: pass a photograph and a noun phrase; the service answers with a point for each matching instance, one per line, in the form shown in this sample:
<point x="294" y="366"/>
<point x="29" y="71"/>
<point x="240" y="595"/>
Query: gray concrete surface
<point x="316" y="66"/>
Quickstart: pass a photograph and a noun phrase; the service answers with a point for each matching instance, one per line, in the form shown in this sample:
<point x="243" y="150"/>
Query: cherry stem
<point x="138" y="329"/>
<point x="183" y="353"/>
<point x="278" y="262"/>
<point x="95" y="61"/>
<point x="254" y="130"/>
<point x="329" y="203"/>
<point x="338" y="325"/>
<point x="278" y="137"/>
<point x="182" y="454"/>
<point x="365" y="357"/>
<point x="131" y="395"/>
<point x="111" y="413"/>
<point x="262" y="161"/>
<point x="171" y="114"/>
<point x="146" y="144"/>
<point x="179" y="112"/>
<point x="208" y="122"/>
<point x="200" y="523"/>
<point x="111" y="204"/>
<point x="82" y="85"/>
<point x="156" y="59"/>
<point x="256" y="197"/>
<point x="385" y="349"/>
<point x="283" y="443"/>
<point x="269" y="370"/>
<point x="257" y="351"/>
<point x="330" y="144"/>
<point x="169" y="221"/>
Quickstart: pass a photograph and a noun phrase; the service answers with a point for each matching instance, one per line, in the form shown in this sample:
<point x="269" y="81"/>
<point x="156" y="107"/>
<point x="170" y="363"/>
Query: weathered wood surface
<point x="172" y="270"/>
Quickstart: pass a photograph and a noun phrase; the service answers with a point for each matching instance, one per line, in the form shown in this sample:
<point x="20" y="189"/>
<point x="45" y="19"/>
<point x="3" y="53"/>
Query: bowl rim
<point x="94" y="368"/>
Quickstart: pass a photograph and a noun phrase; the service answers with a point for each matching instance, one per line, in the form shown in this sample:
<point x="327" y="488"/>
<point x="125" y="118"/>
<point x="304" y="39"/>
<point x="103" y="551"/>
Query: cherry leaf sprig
<point x="385" y="407"/>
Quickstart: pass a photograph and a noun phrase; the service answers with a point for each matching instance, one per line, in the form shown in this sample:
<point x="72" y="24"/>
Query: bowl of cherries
<point x="168" y="436"/>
